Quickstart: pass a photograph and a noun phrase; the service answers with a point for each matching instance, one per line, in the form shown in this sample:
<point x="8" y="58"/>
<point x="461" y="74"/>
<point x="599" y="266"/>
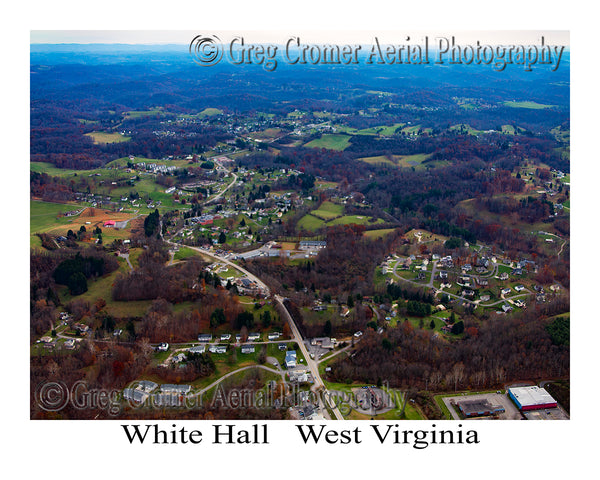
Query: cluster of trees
<point x="491" y="354"/>
<point x="347" y="265"/>
<point x="153" y="279"/>
<point x="151" y="223"/>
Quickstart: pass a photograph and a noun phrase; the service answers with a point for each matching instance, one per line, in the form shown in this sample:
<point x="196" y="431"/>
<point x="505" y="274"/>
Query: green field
<point x="50" y="169"/>
<point x="105" y="137"/>
<point x="466" y="129"/>
<point x="209" y="112"/>
<point x="330" y="141"/>
<point x="383" y="130"/>
<point x="532" y="105"/>
<point x="357" y="219"/>
<point x="143" y="113"/>
<point x="44" y="216"/>
<point x="400" y="160"/>
<point x="375" y="234"/>
<point x="328" y="210"/>
<point x="311" y="223"/>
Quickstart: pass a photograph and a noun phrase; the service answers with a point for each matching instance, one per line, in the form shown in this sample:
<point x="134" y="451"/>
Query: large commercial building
<point x="531" y="398"/>
<point x="479" y="408"/>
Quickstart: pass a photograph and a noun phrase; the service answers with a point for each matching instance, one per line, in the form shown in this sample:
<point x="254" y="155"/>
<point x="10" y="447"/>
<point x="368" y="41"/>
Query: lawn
<point x="330" y="141"/>
<point x="105" y="137"/>
<point x="356" y="219"/>
<point x="375" y="234"/>
<point x="398" y="160"/>
<point x="310" y="222"/>
<point x="143" y="113"/>
<point x="209" y="112"/>
<point x="328" y="211"/>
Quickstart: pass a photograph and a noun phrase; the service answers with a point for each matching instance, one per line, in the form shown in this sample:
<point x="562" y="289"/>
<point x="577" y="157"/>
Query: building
<point x="323" y="342"/>
<point x="247" y="348"/>
<point x="311" y="244"/>
<point x="290" y="359"/>
<point x="177" y="389"/>
<point x="197" y="349"/>
<point x="204" y="337"/>
<point x="531" y="398"/>
<point x="479" y="408"/>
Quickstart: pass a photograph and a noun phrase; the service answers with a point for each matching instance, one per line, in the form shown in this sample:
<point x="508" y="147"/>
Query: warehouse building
<point x="531" y="398"/>
<point x="479" y="408"/>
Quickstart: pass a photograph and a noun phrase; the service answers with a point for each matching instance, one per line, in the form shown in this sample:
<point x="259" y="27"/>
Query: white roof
<point x="531" y="395"/>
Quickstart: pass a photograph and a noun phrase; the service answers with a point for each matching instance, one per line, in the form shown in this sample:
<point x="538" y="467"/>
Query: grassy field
<point x="45" y="216"/>
<point x="531" y="105"/>
<point x="357" y="219"/>
<point x="310" y="222"/>
<point x="382" y="130"/>
<point x="266" y="134"/>
<point x="375" y="234"/>
<point x="398" y="160"/>
<point x="50" y="169"/>
<point x="210" y="112"/>
<point x="328" y="210"/>
<point x="331" y="142"/>
<point x="464" y="128"/>
<point x="104" y="137"/>
<point x="142" y="113"/>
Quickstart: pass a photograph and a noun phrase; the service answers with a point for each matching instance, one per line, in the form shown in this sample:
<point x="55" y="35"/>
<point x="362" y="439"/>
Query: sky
<point x="341" y="36"/>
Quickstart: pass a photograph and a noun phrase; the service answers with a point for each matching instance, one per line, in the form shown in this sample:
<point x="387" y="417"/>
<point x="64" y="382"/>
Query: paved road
<point x="319" y="385"/>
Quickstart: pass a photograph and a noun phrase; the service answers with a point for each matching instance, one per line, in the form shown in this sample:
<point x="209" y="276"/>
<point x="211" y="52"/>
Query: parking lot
<point x="510" y="410"/>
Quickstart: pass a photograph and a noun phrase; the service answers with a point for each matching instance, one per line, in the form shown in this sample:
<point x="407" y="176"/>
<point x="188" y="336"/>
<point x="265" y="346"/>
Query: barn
<point x="531" y="398"/>
<point x="109" y="223"/>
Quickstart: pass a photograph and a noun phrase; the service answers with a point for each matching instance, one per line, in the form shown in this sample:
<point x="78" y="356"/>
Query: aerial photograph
<point x="247" y="225"/>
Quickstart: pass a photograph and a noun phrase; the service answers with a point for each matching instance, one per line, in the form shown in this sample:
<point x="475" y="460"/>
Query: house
<point x="225" y="337"/>
<point x="290" y="359"/>
<point x="505" y="291"/>
<point x="180" y="357"/>
<point x="109" y="223"/>
<point x="204" y="337"/>
<point x="146" y="386"/>
<point x="253" y="337"/>
<point x="178" y="389"/>
<point x="506" y="308"/>
<point x="134" y="395"/>
<point x="504" y="276"/>
<point x="519" y="288"/>
<point x="197" y="349"/>
<point x="247" y="348"/>
<point x="273" y="336"/>
<point x="282" y="346"/>
<point x="217" y="348"/>
<point x="162" y="347"/>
